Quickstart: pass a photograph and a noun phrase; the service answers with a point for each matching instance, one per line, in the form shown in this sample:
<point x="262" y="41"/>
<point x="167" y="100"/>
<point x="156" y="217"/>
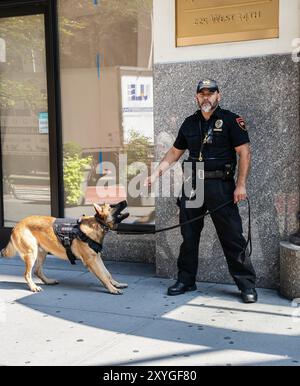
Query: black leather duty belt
<point x="215" y="174"/>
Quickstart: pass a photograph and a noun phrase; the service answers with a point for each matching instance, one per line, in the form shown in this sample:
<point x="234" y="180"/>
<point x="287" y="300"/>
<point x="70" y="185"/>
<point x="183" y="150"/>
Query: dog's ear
<point x="98" y="209"/>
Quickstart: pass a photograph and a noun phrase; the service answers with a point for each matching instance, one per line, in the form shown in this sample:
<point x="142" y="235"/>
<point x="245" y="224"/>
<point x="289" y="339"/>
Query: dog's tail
<point x="9" y="250"/>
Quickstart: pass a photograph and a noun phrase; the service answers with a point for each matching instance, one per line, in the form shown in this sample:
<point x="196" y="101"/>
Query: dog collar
<point x="104" y="226"/>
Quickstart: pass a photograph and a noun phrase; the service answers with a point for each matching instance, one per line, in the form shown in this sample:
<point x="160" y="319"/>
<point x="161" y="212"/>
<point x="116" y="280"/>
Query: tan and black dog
<point x="34" y="237"/>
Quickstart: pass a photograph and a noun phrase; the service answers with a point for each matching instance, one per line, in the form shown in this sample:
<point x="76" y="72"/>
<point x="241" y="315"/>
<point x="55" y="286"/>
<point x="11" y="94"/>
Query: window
<point x="107" y="101"/>
<point x="25" y="163"/>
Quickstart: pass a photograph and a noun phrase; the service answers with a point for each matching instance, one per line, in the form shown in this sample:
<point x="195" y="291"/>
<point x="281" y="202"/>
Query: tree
<point x="75" y="168"/>
<point x="24" y="38"/>
<point x="25" y="43"/>
<point x="139" y="148"/>
<point x="109" y="28"/>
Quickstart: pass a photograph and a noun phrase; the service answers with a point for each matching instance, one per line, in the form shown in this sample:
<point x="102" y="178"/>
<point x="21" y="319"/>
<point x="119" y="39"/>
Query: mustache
<point x="206" y="107"/>
<point x="206" y="103"/>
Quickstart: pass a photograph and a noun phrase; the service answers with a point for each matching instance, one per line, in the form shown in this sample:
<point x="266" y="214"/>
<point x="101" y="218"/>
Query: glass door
<point x="24" y="119"/>
<point x="28" y="150"/>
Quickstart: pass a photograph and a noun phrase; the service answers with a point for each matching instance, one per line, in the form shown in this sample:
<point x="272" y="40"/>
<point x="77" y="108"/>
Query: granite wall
<point x="265" y="91"/>
<point x="129" y="248"/>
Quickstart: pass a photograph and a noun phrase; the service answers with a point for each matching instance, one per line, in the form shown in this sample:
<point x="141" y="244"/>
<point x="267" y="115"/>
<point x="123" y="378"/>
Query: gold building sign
<point x="218" y="21"/>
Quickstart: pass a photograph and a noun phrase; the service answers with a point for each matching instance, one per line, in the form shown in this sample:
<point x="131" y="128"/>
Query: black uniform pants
<point x="228" y="224"/>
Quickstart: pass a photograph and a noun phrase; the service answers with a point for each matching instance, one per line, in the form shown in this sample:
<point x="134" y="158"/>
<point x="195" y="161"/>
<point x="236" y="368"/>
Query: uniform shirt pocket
<point x="220" y="139"/>
<point x="193" y="141"/>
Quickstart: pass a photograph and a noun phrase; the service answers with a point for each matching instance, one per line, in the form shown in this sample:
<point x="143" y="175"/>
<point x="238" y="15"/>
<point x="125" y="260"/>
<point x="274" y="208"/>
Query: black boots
<point x="249" y="295"/>
<point x="180" y="288"/>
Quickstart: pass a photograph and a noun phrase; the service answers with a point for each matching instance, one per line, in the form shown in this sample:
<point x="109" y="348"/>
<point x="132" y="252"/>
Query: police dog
<point x="34" y="237"/>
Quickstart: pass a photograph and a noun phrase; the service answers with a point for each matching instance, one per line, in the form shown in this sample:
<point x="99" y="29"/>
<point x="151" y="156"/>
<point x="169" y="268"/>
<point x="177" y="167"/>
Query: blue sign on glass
<point x="43" y="123"/>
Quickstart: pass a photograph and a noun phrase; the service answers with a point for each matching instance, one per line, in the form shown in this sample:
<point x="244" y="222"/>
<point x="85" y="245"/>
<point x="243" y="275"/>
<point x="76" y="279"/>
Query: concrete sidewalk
<point x="78" y="323"/>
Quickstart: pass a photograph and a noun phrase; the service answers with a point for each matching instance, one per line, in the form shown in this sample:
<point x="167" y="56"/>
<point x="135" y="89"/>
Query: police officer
<point x="214" y="136"/>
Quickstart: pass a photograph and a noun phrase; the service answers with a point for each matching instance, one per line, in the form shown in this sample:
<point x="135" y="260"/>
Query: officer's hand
<point x="240" y="194"/>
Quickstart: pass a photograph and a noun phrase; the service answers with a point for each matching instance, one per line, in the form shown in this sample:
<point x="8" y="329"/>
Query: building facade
<point x="89" y="86"/>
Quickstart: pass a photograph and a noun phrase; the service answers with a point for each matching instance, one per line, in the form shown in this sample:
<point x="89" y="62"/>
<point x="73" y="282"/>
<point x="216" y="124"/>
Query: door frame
<point x="11" y="8"/>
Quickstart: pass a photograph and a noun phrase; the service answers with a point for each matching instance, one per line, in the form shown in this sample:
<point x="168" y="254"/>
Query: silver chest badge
<point x="219" y="124"/>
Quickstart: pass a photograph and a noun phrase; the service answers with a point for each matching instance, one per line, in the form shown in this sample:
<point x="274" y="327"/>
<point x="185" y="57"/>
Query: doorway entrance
<point x="29" y="146"/>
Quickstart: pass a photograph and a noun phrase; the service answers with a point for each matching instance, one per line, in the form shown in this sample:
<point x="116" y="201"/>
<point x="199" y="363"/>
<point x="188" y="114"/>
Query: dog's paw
<point x="51" y="282"/>
<point x="116" y="291"/>
<point x="121" y="285"/>
<point x="36" y="289"/>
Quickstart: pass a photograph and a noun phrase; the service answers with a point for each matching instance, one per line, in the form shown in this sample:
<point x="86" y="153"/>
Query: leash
<point x="249" y="240"/>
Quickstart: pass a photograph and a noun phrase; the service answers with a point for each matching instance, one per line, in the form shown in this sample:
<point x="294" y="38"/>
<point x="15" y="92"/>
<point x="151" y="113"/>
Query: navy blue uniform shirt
<point x="227" y="130"/>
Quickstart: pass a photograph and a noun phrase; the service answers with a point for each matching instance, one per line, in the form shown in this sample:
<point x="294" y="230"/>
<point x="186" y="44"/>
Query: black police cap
<point x="210" y="84"/>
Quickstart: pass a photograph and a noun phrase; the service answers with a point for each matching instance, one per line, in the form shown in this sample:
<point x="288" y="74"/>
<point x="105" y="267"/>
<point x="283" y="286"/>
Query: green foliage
<point x="24" y="37"/>
<point x="139" y="149"/>
<point x="74" y="168"/>
<point x="72" y="149"/>
<point x="26" y="91"/>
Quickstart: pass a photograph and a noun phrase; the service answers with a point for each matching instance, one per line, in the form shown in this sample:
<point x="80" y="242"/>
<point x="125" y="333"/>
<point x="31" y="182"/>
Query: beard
<point x="207" y="107"/>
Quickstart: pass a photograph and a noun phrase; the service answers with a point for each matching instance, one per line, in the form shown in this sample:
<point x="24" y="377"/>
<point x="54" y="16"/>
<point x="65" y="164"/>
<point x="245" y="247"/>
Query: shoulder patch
<point x="240" y="121"/>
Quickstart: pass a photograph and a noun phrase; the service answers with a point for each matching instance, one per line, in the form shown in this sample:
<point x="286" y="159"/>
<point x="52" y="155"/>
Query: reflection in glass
<point x="107" y="100"/>
<point x="24" y="118"/>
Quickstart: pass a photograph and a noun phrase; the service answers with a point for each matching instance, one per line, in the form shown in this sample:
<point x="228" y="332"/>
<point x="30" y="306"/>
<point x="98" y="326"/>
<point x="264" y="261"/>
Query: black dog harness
<point x="68" y="229"/>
